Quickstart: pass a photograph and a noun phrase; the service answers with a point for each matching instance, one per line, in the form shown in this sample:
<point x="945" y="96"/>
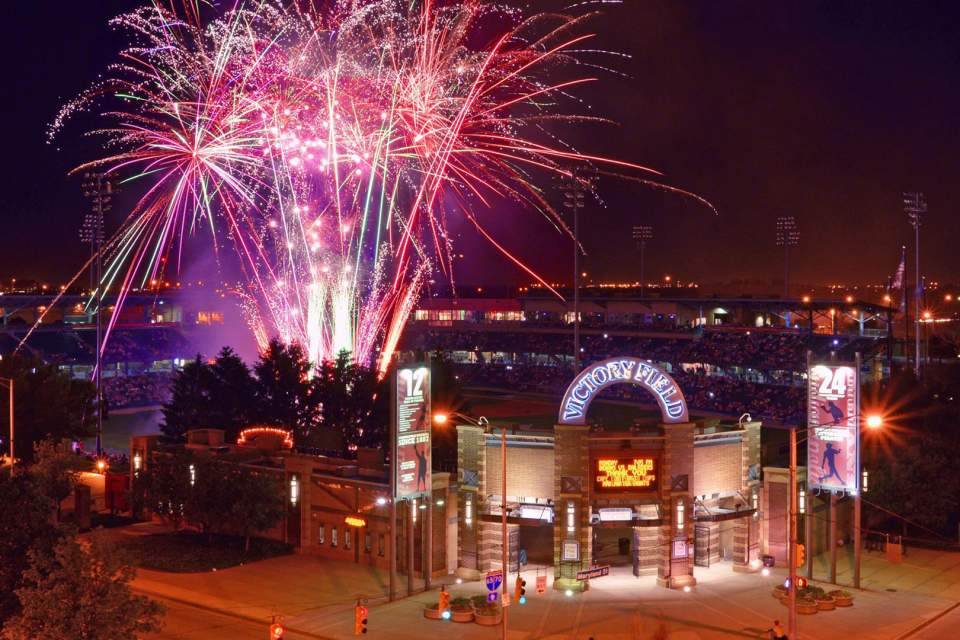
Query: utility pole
<point x="787" y="236"/>
<point x="642" y="233"/>
<point x="99" y="189"/>
<point x="575" y="186"/>
<point x="915" y="205"/>
<point x="792" y="552"/>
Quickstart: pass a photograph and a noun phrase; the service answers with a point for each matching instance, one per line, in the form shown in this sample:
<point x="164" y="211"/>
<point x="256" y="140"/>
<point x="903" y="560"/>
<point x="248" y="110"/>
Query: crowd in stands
<point x="730" y="372"/>
<point x="137" y="391"/>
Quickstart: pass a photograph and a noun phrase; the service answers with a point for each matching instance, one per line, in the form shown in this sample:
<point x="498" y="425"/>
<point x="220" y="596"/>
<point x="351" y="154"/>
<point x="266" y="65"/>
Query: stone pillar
<point x="676" y="484"/>
<point x="571" y="471"/>
<point x="471" y="475"/>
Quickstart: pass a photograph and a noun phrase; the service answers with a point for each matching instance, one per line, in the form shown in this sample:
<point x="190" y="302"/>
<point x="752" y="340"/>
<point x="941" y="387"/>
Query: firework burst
<point x="328" y="148"/>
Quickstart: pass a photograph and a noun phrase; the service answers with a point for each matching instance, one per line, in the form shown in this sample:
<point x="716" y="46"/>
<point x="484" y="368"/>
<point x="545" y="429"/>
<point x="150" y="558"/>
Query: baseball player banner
<point x="412" y="415"/>
<point x="833" y="427"/>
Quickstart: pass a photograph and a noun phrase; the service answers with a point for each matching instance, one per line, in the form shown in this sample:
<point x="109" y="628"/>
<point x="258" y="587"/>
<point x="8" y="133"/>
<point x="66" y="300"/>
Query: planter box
<point x="488" y="620"/>
<point x="806" y="607"/>
<point x="779" y="592"/>
<point x="827" y="604"/>
<point x="458" y="614"/>
<point x="431" y="613"/>
<point x="841" y="601"/>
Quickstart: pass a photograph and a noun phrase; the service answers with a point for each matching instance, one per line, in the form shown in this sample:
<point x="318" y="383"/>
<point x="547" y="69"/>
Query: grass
<point x="187" y="552"/>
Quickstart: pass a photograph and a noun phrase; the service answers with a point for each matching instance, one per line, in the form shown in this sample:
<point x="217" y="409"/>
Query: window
<point x="333" y="536"/>
<point x="347" y="538"/>
<point x="571" y="517"/>
<point x="380" y="545"/>
<point x="321" y="532"/>
<point x="366" y="541"/>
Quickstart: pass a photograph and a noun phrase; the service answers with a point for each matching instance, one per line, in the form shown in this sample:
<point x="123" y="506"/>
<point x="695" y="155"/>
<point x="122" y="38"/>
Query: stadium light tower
<point x="642" y="233"/>
<point x="915" y="205"/>
<point x="787" y="236"/>
<point x="99" y="189"/>
<point x="575" y="185"/>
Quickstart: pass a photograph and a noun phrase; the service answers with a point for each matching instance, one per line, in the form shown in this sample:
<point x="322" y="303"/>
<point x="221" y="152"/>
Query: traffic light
<point x="359" y="619"/>
<point x="276" y="631"/>
<point x="444" y="604"/>
<point x="801" y="555"/>
<point x="520" y="591"/>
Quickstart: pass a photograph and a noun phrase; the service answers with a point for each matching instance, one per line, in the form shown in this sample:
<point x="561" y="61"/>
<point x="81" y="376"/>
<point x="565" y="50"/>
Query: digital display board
<point x="615" y="474"/>
<point x="833" y="427"/>
<point x="412" y="429"/>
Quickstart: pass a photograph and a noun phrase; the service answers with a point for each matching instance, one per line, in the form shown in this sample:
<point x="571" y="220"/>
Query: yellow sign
<point x="353" y="521"/>
<point x="625" y="474"/>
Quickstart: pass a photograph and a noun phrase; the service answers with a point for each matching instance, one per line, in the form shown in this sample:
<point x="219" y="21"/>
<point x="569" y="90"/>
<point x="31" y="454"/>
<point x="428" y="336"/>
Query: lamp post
<point x="915" y="205"/>
<point x="482" y="422"/>
<point x="787" y="236"/>
<point x="642" y="233"/>
<point x="8" y="382"/>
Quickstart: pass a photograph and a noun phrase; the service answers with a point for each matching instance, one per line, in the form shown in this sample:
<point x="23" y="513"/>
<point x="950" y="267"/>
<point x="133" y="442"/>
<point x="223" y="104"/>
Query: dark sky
<point x="822" y="110"/>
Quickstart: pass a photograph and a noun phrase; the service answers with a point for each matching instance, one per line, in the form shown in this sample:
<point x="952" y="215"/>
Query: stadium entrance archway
<point x="600" y="375"/>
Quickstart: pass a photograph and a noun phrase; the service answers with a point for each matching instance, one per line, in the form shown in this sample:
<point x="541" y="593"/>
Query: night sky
<point x="822" y="110"/>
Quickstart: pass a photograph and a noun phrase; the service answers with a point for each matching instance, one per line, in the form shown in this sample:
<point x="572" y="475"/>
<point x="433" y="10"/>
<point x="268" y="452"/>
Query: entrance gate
<point x="701" y="545"/>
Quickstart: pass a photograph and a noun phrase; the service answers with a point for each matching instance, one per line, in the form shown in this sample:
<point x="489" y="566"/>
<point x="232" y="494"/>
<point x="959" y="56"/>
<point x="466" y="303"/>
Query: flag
<point x="897" y="281"/>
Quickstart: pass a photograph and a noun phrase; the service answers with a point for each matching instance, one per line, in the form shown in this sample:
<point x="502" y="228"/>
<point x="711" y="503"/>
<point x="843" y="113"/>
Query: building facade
<point x="661" y="497"/>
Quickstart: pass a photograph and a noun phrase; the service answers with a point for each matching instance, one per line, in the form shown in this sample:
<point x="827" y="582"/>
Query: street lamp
<point x="874" y="421"/>
<point x="482" y="422"/>
<point x="8" y="383"/>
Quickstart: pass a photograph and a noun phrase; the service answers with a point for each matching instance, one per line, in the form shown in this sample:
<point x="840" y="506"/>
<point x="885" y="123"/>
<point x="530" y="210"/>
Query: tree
<point x="190" y="401"/>
<point x="163" y="487"/>
<point x="258" y="505"/>
<point x="446" y="395"/>
<point x="210" y="494"/>
<point x="48" y="403"/>
<point x="80" y="592"/>
<point x="25" y="524"/>
<point x="354" y="404"/>
<point x="233" y="394"/>
<point x="56" y="471"/>
<point x="284" y="391"/>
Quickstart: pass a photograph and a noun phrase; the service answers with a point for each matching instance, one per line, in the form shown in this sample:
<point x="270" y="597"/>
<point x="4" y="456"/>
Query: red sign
<point x="412" y="415"/>
<point x="833" y="414"/>
<point x="541" y="584"/>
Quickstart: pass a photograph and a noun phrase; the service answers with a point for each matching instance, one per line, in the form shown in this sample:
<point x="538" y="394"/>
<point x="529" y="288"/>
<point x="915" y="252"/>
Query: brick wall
<point x="719" y="468"/>
<point x="529" y="471"/>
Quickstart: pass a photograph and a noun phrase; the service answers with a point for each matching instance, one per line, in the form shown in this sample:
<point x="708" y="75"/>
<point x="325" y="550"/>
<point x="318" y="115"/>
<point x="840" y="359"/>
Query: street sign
<point x="595" y="572"/>
<point x="494" y="579"/>
<point x="541" y="584"/>
<point x="493" y="596"/>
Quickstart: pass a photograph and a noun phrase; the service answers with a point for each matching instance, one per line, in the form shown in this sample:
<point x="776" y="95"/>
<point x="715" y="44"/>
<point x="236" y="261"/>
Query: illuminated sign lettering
<point x="625" y="474"/>
<point x="354" y="521"/>
<point x="598" y="376"/>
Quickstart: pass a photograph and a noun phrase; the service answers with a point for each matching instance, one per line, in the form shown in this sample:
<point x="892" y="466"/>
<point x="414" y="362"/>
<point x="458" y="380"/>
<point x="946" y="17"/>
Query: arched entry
<point x="600" y="375"/>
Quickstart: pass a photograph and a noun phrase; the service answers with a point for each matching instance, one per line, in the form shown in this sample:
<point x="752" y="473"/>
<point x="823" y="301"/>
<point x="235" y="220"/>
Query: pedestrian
<point x="777" y="632"/>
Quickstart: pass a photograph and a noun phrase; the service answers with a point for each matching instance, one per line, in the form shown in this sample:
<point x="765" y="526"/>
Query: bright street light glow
<point x="440" y="418"/>
<point x="874" y="421"/>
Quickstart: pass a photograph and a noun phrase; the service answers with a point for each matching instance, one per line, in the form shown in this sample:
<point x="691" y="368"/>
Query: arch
<point x="600" y="375"/>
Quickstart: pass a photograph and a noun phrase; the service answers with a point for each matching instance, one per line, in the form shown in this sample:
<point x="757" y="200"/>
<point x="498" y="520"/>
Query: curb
<point x="926" y="623"/>
<point x="227" y="612"/>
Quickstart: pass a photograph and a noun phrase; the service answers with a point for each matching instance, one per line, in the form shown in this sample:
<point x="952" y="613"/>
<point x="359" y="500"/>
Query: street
<point x="185" y="622"/>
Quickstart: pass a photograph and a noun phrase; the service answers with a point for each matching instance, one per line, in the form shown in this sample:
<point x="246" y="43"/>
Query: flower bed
<point x="842" y="598"/>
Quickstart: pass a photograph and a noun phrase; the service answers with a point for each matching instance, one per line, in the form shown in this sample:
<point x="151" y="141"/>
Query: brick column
<point x="676" y="485"/>
<point x="471" y="463"/>
<point x="571" y="471"/>
<point x="746" y="531"/>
